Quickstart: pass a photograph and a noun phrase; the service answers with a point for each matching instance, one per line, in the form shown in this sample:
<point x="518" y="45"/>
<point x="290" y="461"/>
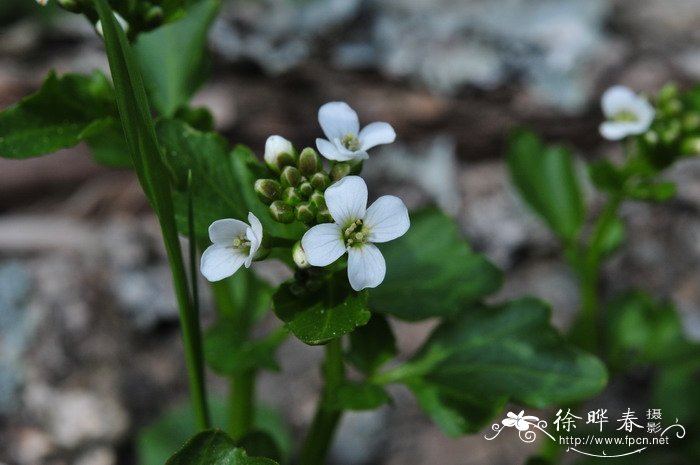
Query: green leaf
<point x="612" y="237"/>
<point x="222" y="180"/>
<point x="546" y="179"/>
<point x="471" y="366"/>
<point x="372" y="345"/>
<point x="65" y="111"/>
<point x="158" y="441"/>
<point x="318" y="317"/>
<point x="214" y="447"/>
<point x="108" y="146"/>
<point x="607" y="176"/>
<point x="641" y="330"/>
<point x="652" y="192"/>
<point x="358" y="396"/>
<point x="228" y="351"/>
<point x="431" y="271"/>
<point x="173" y="59"/>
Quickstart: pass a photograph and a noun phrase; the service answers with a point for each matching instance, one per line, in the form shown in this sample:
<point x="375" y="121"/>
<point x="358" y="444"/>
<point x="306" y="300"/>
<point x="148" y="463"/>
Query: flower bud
<point x="122" y="22"/>
<point x="309" y="162"/>
<point x="318" y="201"/>
<point x="339" y="171"/>
<point x="305" y="212"/>
<point x="320" y="181"/>
<point x="306" y="189"/>
<point x="279" y="153"/>
<point x="267" y="190"/>
<point x="281" y="212"/>
<point x="70" y="5"/>
<point x="291" y="196"/>
<point x="690" y="146"/>
<point x="691" y="122"/>
<point x="290" y="177"/>
<point x="651" y="137"/>
<point x="324" y="216"/>
<point x="154" y="16"/>
<point x="299" y="256"/>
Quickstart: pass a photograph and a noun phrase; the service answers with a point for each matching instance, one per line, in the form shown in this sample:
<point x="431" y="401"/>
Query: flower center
<point x="625" y="116"/>
<point x="242" y="243"/>
<point x="351" y="142"/>
<point x="356" y="234"/>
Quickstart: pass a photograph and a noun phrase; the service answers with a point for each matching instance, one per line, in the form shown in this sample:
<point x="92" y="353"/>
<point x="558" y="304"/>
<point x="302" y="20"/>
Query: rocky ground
<point x="88" y="326"/>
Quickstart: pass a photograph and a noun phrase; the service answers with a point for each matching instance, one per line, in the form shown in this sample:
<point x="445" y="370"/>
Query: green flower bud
<point x="651" y="137"/>
<point x="339" y="171"/>
<point x="299" y="256"/>
<point x="355" y="166"/>
<point x="691" y="122"/>
<point x="306" y="189"/>
<point x="290" y="177"/>
<point x="279" y="153"/>
<point x="267" y="190"/>
<point x="291" y="196"/>
<point x="70" y="5"/>
<point x="318" y="201"/>
<point x="305" y="212"/>
<point x="690" y="146"/>
<point x="154" y="16"/>
<point x="668" y="92"/>
<point x="281" y="212"/>
<point x="309" y="162"/>
<point x="671" y="132"/>
<point x="320" y="181"/>
<point x="324" y="216"/>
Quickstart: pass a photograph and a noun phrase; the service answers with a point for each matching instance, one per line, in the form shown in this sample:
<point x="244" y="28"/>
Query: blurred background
<point x="89" y="340"/>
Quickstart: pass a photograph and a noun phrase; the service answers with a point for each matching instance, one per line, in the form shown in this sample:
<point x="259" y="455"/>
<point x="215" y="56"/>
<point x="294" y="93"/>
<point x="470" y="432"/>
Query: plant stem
<point x="146" y="155"/>
<point x="241" y="404"/>
<point x="322" y="430"/>
<point x="241" y="401"/>
<point x="585" y="331"/>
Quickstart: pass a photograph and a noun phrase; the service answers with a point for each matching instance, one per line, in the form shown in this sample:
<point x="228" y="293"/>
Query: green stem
<point x="241" y="405"/>
<point x="241" y="401"/>
<point x="145" y="152"/>
<point x="585" y="331"/>
<point x="322" y="430"/>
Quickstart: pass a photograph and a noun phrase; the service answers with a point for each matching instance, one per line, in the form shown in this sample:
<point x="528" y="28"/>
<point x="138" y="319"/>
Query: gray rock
<point x="16" y="330"/>
<point x="74" y="417"/>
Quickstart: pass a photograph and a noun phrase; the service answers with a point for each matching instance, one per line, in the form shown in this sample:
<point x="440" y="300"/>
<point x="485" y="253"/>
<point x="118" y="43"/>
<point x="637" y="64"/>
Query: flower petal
<point x="617" y="99"/>
<point x="346" y="154"/>
<point x="224" y="231"/>
<point x="366" y="267"/>
<point x="617" y="130"/>
<point x="338" y="119"/>
<point x="329" y="150"/>
<point x="254" y="233"/>
<point x="347" y="199"/>
<point x="323" y="244"/>
<point x="387" y="219"/>
<point x="509" y="422"/>
<point x="375" y="134"/>
<point x="219" y="262"/>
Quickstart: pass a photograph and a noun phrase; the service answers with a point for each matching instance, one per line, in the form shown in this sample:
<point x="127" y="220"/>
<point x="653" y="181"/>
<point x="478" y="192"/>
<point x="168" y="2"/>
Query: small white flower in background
<point x="355" y="231"/>
<point x="626" y="112"/>
<point x="522" y="423"/>
<point x="274" y="146"/>
<point x="234" y="244"/>
<point x="345" y="141"/>
<point x="42" y="2"/>
<point x="122" y="22"/>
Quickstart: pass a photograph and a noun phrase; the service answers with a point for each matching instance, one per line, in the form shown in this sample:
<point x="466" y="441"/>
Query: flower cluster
<point x="332" y="203"/>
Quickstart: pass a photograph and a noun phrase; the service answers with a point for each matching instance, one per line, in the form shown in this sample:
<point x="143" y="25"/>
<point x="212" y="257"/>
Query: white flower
<point x="42" y="2"/>
<point x="122" y="22"/>
<point x="234" y="244"/>
<point x="345" y="140"/>
<point x="522" y="423"/>
<point x="274" y="146"/>
<point x="355" y="231"/>
<point x="626" y="112"/>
